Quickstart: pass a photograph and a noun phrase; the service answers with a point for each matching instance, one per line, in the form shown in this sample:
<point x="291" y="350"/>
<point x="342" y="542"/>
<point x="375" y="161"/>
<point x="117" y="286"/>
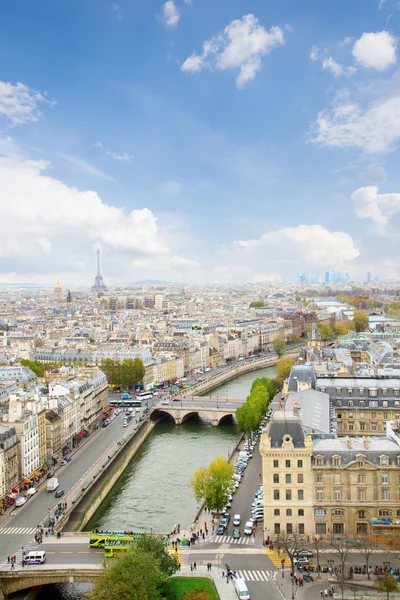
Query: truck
<point x="52" y="484"/>
<point x="125" y="396"/>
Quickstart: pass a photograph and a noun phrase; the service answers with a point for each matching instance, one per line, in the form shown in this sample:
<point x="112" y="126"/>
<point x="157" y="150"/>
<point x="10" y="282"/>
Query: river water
<point x="153" y="493"/>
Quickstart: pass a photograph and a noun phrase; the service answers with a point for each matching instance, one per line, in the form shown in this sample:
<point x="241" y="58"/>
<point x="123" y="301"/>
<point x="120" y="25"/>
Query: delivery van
<point x="241" y="589"/>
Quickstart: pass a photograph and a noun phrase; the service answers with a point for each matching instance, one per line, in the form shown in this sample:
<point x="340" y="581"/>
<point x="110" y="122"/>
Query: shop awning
<point x="81" y="433"/>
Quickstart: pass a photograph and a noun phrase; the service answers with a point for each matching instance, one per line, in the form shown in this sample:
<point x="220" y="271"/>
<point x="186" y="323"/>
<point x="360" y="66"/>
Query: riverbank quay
<point x="207" y="385"/>
<point x="106" y="473"/>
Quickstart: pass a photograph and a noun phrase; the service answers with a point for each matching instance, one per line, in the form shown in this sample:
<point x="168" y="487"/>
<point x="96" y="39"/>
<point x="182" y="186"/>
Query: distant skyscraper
<point x="326" y="276"/>
<point x="368" y="277"/>
<point x="99" y="285"/>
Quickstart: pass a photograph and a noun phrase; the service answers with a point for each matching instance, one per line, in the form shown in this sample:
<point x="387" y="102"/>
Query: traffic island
<point x="178" y="586"/>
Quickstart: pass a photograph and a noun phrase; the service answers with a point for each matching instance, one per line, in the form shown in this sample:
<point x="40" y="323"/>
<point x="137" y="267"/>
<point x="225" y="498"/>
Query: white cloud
<point x="346" y="42"/>
<point x="376" y="50"/>
<point x="241" y="46"/>
<point x="380" y="208"/>
<point x="374" y="129"/>
<point x="20" y="104"/>
<point x="334" y="67"/>
<point x="123" y="157"/>
<point x="171" y="14"/>
<point x="314" y="53"/>
<point x="373" y="176"/>
<point x="310" y="245"/>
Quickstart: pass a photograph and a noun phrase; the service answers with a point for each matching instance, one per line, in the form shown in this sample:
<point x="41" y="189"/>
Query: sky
<point x="199" y="141"/>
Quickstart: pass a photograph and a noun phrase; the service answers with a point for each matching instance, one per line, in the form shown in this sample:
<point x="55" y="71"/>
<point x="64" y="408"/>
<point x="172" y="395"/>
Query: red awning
<point x="81" y="433"/>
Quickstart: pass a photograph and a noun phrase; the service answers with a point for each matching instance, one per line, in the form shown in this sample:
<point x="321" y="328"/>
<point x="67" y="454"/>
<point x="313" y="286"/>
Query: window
<point x="361" y="494"/>
<point x="385" y="494"/>
<point x="300" y="494"/>
<point x="384" y="461"/>
<point x="351" y="427"/>
<point x="300" y="512"/>
<point x="373" y="426"/>
<point x="277" y="512"/>
<point x="276" y="494"/>
<point x="338" y="403"/>
<point x="320" y="512"/>
<point x="349" y="391"/>
<point x="385" y="403"/>
<point x="396" y="393"/>
<point x="338" y="494"/>
<point x="373" y="414"/>
<point x="320" y="478"/>
<point x="384" y="392"/>
<point x="287" y="464"/>
<point x="288" y="478"/>
<point x="338" y="528"/>
<point x="336" y="478"/>
<point x="385" y="478"/>
<point x="277" y="528"/>
<point x="338" y="512"/>
<point x="320" y="494"/>
<point x="385" y="513"/>
<point x="361" y="514"/>
<point x="339" y="391"/>
<point x="385" y="416"/>
<point x="276" y="464"/>
<point x="299" y="464"/>
<point x="288" y="512"/>
<point x="362" y="414"/>
<point x="360" y="478"/>
<point x="362" y="528"/>
<point x="288" y="494"/>
<point x="319" y="461"/>
<point x="300" y="478"/>
<point x="351" y="415"/>
<point x="372" y="392"/>
<point x="276" y="478"/>
<point x="361" y="391"/>
<point x="336" y="461"/>
<point x="289" y="528"/>
<point x="320" y="528"/>
<point x="362" y="426"/>
<point x="350" y="403"/>
<point x="301" y="528"/>
<point x="362" y="403"/>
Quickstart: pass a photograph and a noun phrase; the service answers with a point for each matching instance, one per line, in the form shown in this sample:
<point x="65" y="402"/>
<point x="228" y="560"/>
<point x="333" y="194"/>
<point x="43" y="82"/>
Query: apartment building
<point x="362" y="405"/>
<point x="9" y="448"/>
<point x="27" y="431"/>
<point x="324" y="485"/>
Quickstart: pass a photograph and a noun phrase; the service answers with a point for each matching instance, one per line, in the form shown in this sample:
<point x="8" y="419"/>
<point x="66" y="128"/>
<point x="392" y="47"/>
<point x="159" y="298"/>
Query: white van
<point x="38" y="557"/>
<point x="241" y="589"/>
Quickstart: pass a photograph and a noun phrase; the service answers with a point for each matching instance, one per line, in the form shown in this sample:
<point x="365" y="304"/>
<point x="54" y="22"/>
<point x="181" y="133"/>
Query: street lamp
<point x="283" y="567"/>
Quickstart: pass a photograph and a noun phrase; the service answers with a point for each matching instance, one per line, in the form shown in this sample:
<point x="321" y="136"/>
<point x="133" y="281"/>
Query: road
<point x="20" y="528"/>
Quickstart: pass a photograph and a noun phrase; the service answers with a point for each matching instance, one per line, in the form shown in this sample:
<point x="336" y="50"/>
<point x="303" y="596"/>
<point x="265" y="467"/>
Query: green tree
<point x="213" y="484"/>
<point x="92" y="340"/>
<point x="326" y="331"/>
<point x="140" y="573"/>
<point x="132" y="372"/>
<point x="279" y="345"/>
<point x="37" y="367"/>
<point x="109" y="368"/>
<point x="386" y="582"/>
<point x="257" y="304"/>
<point x="283" y="368"/>
<point x="293" y="339"/>
<point x="360" y="320"/>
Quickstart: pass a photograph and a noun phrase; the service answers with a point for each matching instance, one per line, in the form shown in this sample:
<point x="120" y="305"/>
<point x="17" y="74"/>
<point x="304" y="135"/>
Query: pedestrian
<point x="204" y="536"/>
<point x="322" y="594"/>
<point x="205" y="525"/>
<point x="223" y="574"/>
<point x="15" y="558"/>
<point x="195" y="566"/>
<point x="227" y="578"/>
<point x="45" y="533"/>
<point x="8" y="559"/>
<point x="179" y="566"/>
<point x="12" y="566"/>
<point x="176" y="548"/>
<point x="191" y="567"/>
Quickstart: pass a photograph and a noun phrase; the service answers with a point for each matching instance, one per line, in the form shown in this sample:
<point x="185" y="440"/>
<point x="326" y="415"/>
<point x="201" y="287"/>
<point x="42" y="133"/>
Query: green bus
<point x="114" y="548"/>
<point x="100" y="540"/>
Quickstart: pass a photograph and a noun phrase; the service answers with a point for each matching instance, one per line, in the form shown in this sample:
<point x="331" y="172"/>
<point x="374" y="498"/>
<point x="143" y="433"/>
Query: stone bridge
<point x="180" y="411"/>
<point x="33" y="576"/>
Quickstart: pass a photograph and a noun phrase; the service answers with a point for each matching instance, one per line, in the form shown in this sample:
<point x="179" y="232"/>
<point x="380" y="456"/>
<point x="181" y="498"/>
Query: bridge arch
<point x="228" y="418"/>
<point x="14" y="581"/>
<point x="159" y="414"/>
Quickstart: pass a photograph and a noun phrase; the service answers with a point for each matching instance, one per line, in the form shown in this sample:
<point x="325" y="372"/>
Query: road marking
<point x="17" y="530"/>
<point x="66" y="552"/>
<point x="255" y="575"/>
<point x="49" y="552"/>
<point x="98" y="552"/>
<point x="83" y="552"/>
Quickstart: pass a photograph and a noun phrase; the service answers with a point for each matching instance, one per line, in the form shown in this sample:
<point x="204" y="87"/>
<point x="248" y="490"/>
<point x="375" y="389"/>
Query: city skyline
<point x="198" y="143"/>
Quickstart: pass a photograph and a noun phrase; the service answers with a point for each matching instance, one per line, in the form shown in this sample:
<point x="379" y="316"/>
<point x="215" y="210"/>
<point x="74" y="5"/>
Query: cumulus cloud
<point x="241" y="46"/>
<point x="335" y="68"/>
<point x="308" y="245"/>
<point x="20" y="104"/>
<point x="374" y="129"/>
<point x="380" y="208"/>
<point x="170" y="14"/>
<point x="376" y="50"/>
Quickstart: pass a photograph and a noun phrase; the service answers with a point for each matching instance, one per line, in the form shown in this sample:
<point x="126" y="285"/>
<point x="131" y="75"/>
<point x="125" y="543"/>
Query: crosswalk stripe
<point x="17" y="530"/>
<point x="256" y="575"/>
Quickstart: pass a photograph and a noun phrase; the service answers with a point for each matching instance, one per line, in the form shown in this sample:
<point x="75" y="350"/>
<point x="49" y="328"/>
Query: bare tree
<point x="367" y="548"/>
<point x="318" y="543"/>
<point x="290" y="544"/>
<point x="341" y="551"/>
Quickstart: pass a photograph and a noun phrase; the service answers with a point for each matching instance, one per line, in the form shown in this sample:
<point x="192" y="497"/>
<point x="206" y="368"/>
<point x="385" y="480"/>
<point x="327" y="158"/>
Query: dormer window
<point x="336" y="461"/>
<point x="384" y="461"/>
<point x="319" y="461"/>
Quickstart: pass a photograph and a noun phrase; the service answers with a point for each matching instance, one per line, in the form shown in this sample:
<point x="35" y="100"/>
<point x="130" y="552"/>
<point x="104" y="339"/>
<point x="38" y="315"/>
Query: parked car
<point x="220" y="529"/>
<point x="20" y="501"/>
<point x="59" y="493"/>
<point x="305" y="552"/>
<point x="66" y="460"/>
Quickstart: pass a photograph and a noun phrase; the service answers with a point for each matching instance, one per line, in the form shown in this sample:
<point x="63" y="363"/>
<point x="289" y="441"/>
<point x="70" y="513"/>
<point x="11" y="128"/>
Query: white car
<point x="236" y="520"/>
<point x="248" y="528"/>
<point x="20" y="501"/>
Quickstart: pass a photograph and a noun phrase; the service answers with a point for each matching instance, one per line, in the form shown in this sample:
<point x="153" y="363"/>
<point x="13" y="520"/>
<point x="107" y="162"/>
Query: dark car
<point x="236" y="534"/>
<point x="66" y="460"/>
<point x="220" y="530"/>
<point x="49" y="475"/>
<point x="59" y="493"/>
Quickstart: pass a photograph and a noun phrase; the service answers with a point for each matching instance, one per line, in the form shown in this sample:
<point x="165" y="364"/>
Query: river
<point x="153" y="493"/>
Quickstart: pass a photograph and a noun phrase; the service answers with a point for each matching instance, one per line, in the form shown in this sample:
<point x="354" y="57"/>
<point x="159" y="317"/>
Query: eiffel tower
<point x="99" y="285"/>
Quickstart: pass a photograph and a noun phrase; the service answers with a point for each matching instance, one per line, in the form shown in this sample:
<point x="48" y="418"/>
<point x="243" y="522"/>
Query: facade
<point x="362" y="405"/>
<point x="324" y="485"/>
<point x="9" y="447"/>
<point x="53" y="435"/>
<point x="27" y="430"/>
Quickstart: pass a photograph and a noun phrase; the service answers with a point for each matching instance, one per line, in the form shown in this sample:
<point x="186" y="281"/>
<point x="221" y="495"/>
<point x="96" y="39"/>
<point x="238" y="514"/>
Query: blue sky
<point x="199" y="141"/>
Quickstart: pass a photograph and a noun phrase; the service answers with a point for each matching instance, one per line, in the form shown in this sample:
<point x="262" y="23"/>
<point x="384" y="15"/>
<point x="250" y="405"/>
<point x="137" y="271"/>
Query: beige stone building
<point x="325" y="485"/>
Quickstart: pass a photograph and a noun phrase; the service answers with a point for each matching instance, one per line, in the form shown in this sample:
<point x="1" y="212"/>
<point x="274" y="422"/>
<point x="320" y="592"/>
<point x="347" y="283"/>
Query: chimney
<point x="349" y="442"/>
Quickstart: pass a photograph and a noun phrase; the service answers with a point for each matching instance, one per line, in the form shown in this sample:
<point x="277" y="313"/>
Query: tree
<point x="283" y="368"/>
<point x="341" y="551"/>
<point x="140" y="573"/>
<point x="290" y="544"/>
<point x="325" y="331"/>
<point x="386" y="582"/>
<point x="109" y="368"/>
<point x="257" y="304"/>
<point x="213" y="484"/>
<point x="360" y="320"/>
<point x="279" y="345"/>
<point x="293" y="339"/>
<point x="367" y="548"/>
<point x="197" y="594"/>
